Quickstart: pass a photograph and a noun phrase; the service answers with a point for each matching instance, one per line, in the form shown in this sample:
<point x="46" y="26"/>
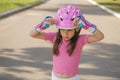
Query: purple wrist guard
<point x="43" y="25"/>
<point x="86" y="24"/>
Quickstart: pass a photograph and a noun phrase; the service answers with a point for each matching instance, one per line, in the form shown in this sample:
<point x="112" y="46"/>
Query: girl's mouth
<point x="66" y="38"/>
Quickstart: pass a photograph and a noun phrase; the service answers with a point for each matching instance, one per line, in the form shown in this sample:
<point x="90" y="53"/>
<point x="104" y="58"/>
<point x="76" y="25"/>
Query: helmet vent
<point x="61" y="18"/>
<point x="72" y="18"/>
<point x="66" y="12"/>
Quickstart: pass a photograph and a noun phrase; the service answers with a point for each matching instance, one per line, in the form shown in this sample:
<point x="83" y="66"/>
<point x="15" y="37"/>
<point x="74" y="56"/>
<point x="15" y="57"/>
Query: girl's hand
<point x="76" y="21"/>
<point x="45" y="23"/>
<point x="51" y="21"/>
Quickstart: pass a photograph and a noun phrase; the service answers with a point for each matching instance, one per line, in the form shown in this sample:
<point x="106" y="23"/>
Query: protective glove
<point x="83" y="23"/>
<point x="43" y="25"/>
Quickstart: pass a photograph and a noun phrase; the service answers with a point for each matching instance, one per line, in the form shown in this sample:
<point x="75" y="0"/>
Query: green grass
<point x="6" y="5"/>
<point x="111" y="4"/>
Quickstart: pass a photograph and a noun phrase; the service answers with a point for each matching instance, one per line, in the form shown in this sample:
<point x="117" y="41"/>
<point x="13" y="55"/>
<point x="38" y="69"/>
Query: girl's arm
<point x="37" y="32"/>
<point x="96" y="36"/>
<point x="38" y="35"/>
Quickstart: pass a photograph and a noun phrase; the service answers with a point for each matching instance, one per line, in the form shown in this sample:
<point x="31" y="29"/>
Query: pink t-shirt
<point x="63" y="63"/>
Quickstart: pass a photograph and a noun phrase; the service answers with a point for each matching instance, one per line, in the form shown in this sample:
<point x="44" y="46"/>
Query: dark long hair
<point x="72" y="43"/>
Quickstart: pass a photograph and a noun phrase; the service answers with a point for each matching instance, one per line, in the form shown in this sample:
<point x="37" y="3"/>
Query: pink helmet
<point x="65" y="16"/>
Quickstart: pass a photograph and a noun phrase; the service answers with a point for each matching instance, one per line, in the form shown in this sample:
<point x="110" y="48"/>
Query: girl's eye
<point x="62" y="29"/>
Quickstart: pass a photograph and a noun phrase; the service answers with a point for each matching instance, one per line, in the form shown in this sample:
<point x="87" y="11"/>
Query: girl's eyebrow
<point x="70" y="29"/>
<point x="62" y="29"/>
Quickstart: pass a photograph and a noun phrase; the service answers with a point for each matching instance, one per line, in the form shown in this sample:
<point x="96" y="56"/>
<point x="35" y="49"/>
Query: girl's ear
<point x="77" y="29"/>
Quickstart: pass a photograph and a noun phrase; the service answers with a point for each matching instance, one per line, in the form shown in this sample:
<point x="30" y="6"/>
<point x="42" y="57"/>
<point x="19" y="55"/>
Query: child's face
<point x="67" y="34"/>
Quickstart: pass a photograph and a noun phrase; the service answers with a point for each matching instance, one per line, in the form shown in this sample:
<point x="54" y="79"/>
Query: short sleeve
<point x="50" y="36"/>
<point x="84" y="39"/>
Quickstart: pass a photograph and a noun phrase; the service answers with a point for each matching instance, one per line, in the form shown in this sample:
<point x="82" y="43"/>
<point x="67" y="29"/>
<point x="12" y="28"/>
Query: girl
<point x="67" y="43"/>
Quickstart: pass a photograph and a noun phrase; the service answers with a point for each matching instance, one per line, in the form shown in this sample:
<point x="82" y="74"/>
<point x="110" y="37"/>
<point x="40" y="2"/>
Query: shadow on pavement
<point x="103" y="60"/>
<point x="26" y="62"/>
<point x="103" y="57"/>
<point x="8" y="77"/>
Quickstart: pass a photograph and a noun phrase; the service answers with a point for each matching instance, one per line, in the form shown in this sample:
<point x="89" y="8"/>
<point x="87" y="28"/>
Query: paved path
<point x="25" y="58"/>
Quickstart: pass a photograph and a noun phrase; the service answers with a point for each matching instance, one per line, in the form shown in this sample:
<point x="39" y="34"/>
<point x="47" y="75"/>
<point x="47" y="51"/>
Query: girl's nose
<point x="66" y="32"/>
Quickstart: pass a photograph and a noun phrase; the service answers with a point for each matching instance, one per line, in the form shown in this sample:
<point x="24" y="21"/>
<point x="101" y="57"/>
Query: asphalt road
<point x="25" y="58"/>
